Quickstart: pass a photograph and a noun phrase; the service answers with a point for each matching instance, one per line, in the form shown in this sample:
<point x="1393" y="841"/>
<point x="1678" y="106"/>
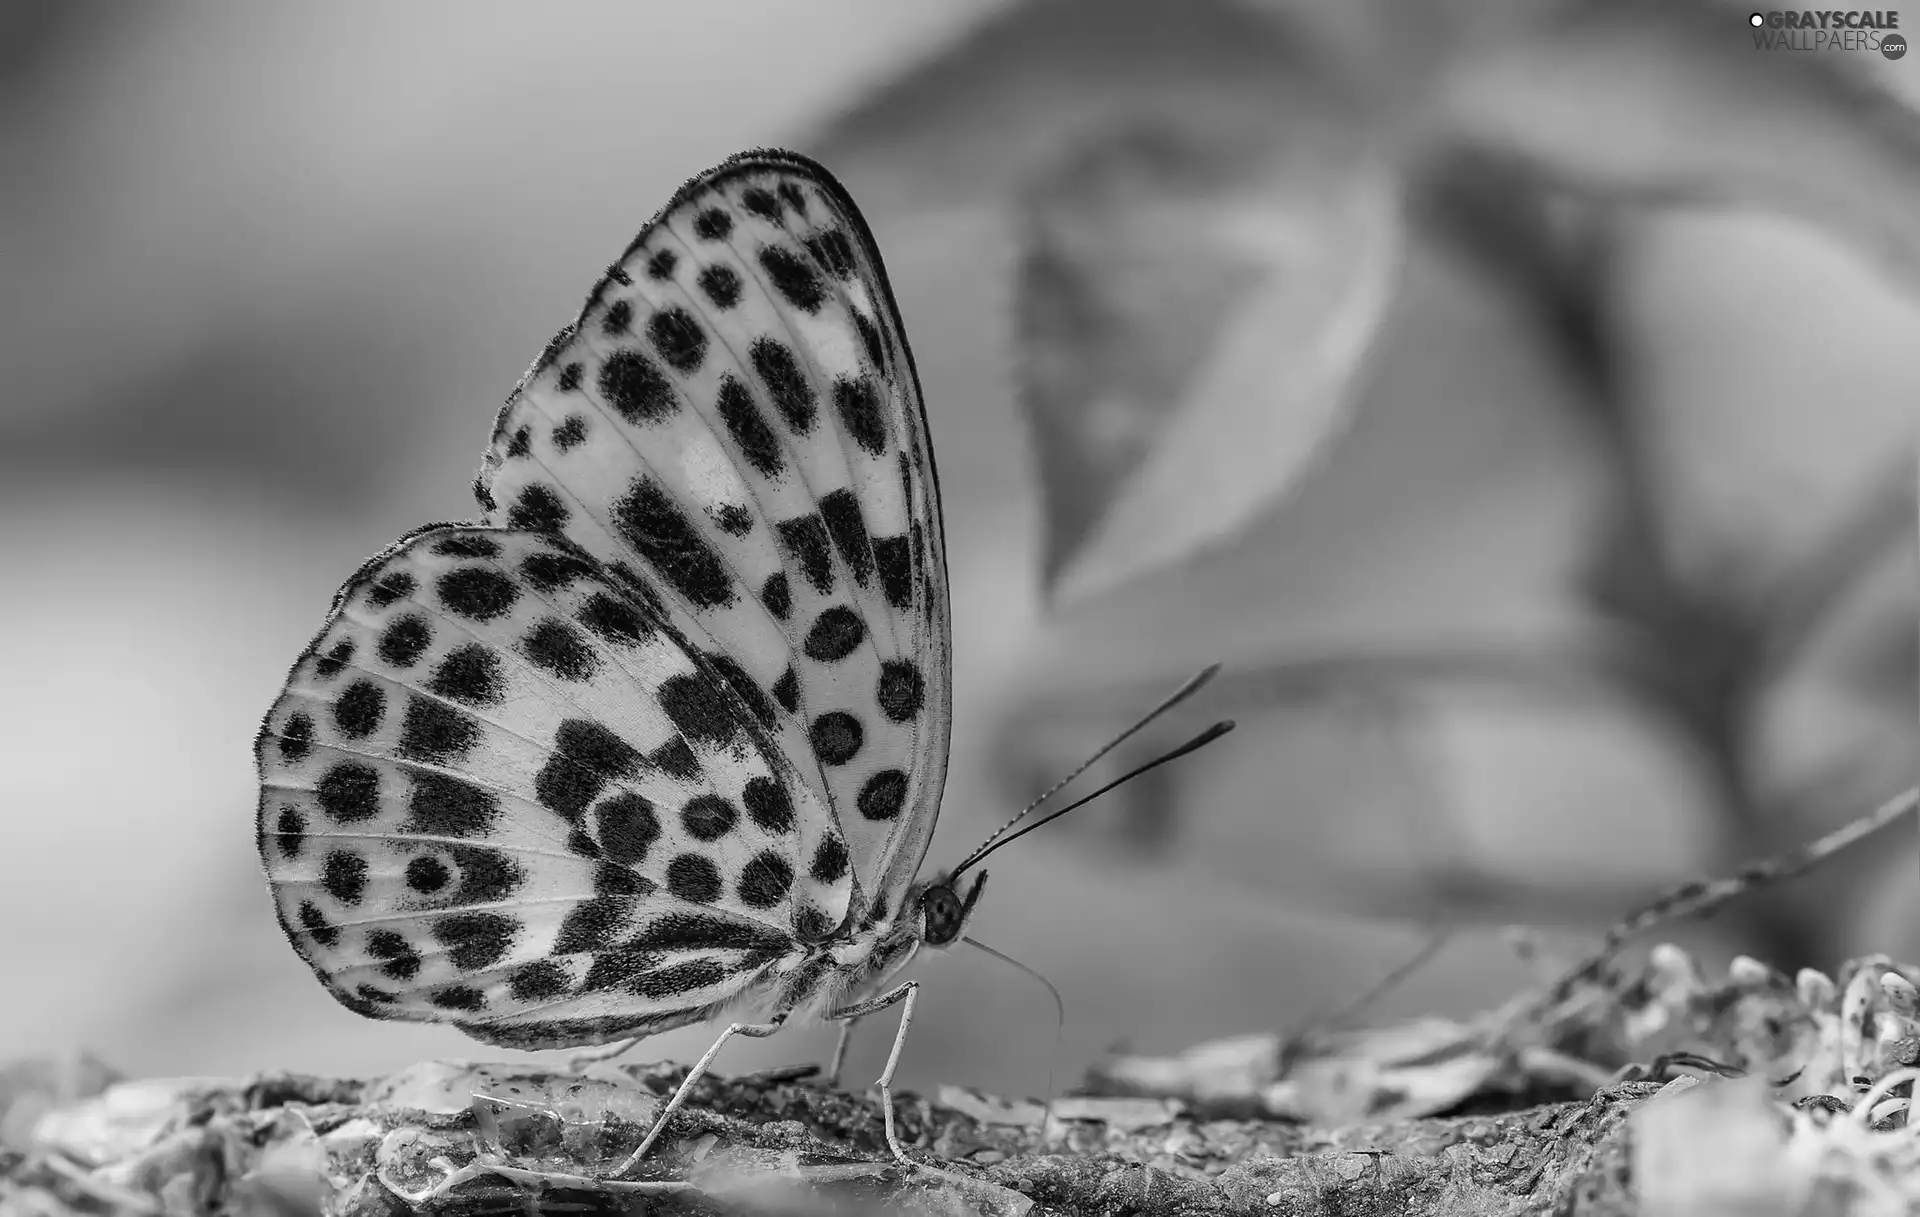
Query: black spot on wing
<point x="748" y="428"/>
<point x="760" y="202"/>
<point x="742" y="684"/>
<point x="296" y="737"/>
<point x="883" y="795"/>
<point x="870" y="338"/>
<point x="836" y="737"/>
<point x="344" y="876"/>
<point x="829" y="860"/>
<point x="786" y="690"/>
<point x="405" y="637"/>
<point x="836" y="633"/>
<point x="857" y="399"/>
<point x="648" y="520"/>
<point x="441" y="805"/>
<point x="458" y="997"/>
<point x="428" y="874"/>
<point x="315" y="922"/>
<point x="707" y="931"/>
<point x="677" y="759"/>
<point x="902" y="690"/>
<point x="465" y="545"/>
<point x="358" y="710"/>
<point x="698" y="708"/>
<point x="349" y="792"/>
<point x="478" y="593"/>
<point x="777" y="596"/>
<point x="632" y="385"/>
<point x="548" y="569"/>
<point x="811" y="925"/>
<point x="469" y="673"/>
<point x="619" y="317"/>
<point x="708" y="817"/>
<point x="612" y="880"/>
<point x="618" y="968"/>
<point x="805" y="540"/>
<point x="627" y="827"/>
<point x="831" y="249"/>
<point x="593" y="924"/>
<point x="436" y="733"/>
<point x="557" y="648"/>
<point x="335" y="660"/>
<point x="787" y="385"/>
<point x="660" y="265"/>
<point x="570" y="432"/>
<point x="487" y="876"/>
<point x="538" y="509"/>
<point x="291" y="831"/>
<point x="721" y="283"/>
<point x="733" y="519"/>
<point x="586" y="756"/>
<point x="694" y="878"/>
<point x="538" y="981"/>
<point x="677" y="978"/>
<point x="392" y="586"/>
<point x="475" y="940"/>
<point x="768" y="804"/>
<point x="612" y="619"/>
<point x="793" y="278"/>
<point x="713" y="224"/>
<point x="765" y="880"/>
<point x="402" y="962"/>
<point x="849" y="530"/>
<point x="890" y="556"/>
<point x="678" y="338"/>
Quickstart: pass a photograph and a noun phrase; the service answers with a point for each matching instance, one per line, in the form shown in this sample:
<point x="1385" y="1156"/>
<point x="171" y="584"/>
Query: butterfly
<point x="663" y="734"/>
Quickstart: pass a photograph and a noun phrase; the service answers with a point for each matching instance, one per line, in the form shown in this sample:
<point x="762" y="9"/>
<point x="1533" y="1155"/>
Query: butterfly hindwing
<point x="500" y="789"/>
<point x="735" y="419"/>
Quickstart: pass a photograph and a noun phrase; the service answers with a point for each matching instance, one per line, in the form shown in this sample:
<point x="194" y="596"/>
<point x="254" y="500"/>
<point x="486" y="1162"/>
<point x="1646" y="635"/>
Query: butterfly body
<point x="663" y="734"/>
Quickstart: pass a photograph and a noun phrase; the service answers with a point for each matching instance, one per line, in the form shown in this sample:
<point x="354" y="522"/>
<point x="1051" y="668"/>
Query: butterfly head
<point x="944" y="912"/>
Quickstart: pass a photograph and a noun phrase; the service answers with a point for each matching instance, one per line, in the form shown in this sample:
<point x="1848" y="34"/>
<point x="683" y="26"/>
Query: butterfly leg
<point x="840" y="1052"/>
<point x="906" y="990"/>
<point x="752" y="1030"/>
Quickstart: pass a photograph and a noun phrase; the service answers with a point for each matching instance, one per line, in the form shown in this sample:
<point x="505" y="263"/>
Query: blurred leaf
<point x="1669" y="100"/>
<point x="1192" y="314"/>
<point x="972" y="123"/>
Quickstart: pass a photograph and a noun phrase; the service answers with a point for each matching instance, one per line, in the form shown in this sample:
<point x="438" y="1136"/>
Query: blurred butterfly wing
<point x="499" y="791"/>
<point x="734" y="426"/>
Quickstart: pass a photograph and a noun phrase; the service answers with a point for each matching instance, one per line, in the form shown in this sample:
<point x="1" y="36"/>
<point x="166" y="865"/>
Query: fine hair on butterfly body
<point x="663" y="734"/>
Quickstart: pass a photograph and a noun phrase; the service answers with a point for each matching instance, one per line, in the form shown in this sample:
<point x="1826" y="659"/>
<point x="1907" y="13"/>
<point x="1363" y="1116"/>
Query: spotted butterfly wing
<point x="677" y="708"/>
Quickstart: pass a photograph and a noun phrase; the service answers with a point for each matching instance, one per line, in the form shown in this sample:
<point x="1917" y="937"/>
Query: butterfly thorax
<point x="859" y="964"/>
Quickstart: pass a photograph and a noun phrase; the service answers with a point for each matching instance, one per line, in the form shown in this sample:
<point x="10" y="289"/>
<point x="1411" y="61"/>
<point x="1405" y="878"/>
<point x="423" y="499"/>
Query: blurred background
<point x="1597" y="571"/>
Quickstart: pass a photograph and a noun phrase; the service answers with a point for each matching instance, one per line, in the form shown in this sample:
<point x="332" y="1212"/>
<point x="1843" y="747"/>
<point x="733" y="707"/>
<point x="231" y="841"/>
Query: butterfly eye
<point x="941" y="915"/>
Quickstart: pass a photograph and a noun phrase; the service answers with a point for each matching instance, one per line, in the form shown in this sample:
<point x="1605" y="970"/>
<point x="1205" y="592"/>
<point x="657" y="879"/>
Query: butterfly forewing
<point x="678" y="707"/>
<point x="735" y="418"/>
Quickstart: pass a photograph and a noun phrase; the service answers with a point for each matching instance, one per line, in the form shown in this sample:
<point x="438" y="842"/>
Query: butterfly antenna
<point x="1059" y="1007"/>
<point x="1193" y="685"/>
<point x="1197" y="742"/>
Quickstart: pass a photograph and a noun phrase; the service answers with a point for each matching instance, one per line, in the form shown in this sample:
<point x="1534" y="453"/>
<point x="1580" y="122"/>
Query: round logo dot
<point x="1893" y="45"/>
<point x="1757" y="20"/>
